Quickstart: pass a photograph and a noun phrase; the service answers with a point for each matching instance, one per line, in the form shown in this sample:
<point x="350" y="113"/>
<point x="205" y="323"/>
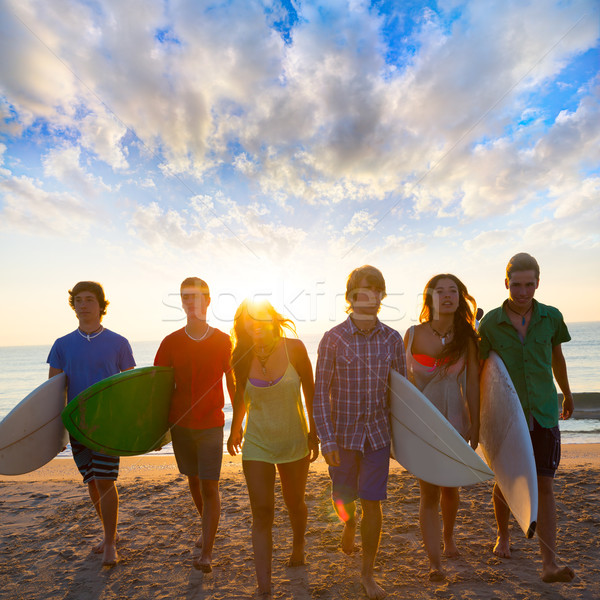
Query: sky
<point x="270" y="147"/>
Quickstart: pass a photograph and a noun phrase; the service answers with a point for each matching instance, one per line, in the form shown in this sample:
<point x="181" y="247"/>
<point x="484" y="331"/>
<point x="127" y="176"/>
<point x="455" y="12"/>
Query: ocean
<point x="22" y="368"/>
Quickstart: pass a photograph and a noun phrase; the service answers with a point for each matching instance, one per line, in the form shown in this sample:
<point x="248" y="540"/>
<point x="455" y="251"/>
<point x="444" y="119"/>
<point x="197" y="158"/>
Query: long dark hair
<point x="242" y="355"/>
<point x="464" y="318"/>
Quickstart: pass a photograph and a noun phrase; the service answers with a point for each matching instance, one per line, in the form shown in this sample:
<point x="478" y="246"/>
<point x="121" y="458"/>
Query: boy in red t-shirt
<point x="200" y="356"/>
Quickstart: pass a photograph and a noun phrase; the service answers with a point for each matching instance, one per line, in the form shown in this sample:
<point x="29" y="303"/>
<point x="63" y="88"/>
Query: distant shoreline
<point x="587" y="405"/>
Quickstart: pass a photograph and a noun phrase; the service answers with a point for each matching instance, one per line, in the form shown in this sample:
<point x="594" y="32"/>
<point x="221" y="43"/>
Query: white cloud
<point x="32" y="210"/>
<point x="488" y="239"/>
<point x="323" y="120"/>
<point x="63" y="163"/>
<point x="360" y="222"/>
<point x="219" y="226"/>
<point x="3" y="172"/>
<point x="103" y="135"/>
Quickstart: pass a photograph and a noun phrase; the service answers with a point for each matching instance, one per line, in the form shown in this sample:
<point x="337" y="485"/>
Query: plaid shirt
<point x="351" y="403"/>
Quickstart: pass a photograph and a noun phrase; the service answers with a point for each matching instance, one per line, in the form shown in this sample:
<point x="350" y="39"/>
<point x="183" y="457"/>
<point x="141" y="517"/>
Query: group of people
<point x="345" y="412"/>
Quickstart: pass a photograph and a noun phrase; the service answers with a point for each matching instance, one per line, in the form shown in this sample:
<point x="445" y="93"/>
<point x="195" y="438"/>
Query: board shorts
<point x="546" y="449"/>
<point x="360" y="475"/>
<point x="94" y="465"/>
<point x="198" y="452"/>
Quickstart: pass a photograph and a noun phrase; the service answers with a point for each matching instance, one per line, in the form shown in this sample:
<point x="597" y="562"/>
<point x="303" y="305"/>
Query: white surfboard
<point x="424" y="442"/>
<point x="506" y="443"/>
<point x="32" y="433"/>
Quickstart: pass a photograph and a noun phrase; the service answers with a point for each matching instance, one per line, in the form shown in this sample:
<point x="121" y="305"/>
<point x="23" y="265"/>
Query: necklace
<point x="264" y="358"/>
<point x="90" y="336"/>
<point x="201" y="337"/>
<point x="522" y="315"/>
<point x="363" y="330"/>
<point x="442" y="336"/>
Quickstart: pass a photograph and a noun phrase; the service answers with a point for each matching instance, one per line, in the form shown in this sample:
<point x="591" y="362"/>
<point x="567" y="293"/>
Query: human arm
<point x="303" y="367"/>
<point x="234" y="443"/>
<point x="126" y="360"/>
<point x="559" y="370"/>
<point x="473" y="393"/>
<point x="322" y="402"/>
<point x="230" y="383"/>
<point x="399" y="362"/>
<point x="53" y="371"/>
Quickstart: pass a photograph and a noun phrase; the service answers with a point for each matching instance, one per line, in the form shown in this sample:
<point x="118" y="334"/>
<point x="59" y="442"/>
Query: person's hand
<point x="568" y="406"/>
<point x="332" y="458"/>
<point x="313" y="446"/>
<point x="473" y="436"/>
<point x="234" y="443"/>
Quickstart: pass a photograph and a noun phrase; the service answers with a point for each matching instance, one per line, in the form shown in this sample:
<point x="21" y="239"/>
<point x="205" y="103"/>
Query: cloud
<point x="219" y="226"/>
<point x="360" y="222"/>
<point x="488" y="239"/>
<point x="103" y="135"/>
<point x="3" y="172"/>
<point x="30" y="209"/>
<point x="330" y="114"/>
<point x="63" y="163"/>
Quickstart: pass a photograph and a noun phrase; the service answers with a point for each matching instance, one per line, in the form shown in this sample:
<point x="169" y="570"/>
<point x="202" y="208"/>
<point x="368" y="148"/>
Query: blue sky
<point x="271" y="147"/>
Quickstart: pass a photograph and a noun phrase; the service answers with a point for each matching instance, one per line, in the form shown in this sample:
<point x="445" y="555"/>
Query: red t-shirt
<point x="198" y="400"/>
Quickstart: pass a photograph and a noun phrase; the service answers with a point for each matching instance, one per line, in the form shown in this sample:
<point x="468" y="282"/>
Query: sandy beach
<point x="47" y="530"/>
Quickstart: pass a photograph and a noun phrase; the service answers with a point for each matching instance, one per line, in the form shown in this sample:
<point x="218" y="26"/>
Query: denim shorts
<point x="198" y="452"/>
<point x="360" y="475"/>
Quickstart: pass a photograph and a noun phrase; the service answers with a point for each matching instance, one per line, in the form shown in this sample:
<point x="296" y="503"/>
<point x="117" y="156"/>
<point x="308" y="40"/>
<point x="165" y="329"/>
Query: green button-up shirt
<point x="529" y="362"/>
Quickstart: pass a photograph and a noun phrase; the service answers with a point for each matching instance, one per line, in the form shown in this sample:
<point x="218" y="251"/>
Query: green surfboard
<point x="123" y="415"/>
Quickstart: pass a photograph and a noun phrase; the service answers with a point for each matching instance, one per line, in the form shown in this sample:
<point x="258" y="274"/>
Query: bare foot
<point x="348" y="537"/>
<point x="263" y="594"/>
<point x="109" y="556"/>
<point x="502" y="548"/>
<point x="373" y="591"/>
<point x="199" y="542"/>
<point x="436" y="575"/>
<point x="450" y="549"/>
<point x="555" y="574"/>
<point x="202" y="564"/>
<point x="99" y="547"/>
<point x="296" y="559"/>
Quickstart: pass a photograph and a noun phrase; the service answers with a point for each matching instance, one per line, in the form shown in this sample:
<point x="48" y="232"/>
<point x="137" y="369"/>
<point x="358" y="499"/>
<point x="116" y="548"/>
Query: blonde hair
<point x="242" y="342"/>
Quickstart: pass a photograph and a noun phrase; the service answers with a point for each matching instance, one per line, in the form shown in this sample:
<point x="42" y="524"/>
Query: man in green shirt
<point x="527" y="336"/>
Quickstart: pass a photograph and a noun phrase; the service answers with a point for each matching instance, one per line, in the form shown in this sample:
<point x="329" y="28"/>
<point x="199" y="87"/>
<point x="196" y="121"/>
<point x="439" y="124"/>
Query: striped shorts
<point x="94" y="465"/>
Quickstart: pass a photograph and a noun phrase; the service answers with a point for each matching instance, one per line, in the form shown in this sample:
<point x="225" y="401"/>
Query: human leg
<point x="450" y="501"/>
<point x="196" y="492"/>
<point x="211" y="500"/>
<point x="370" y="533"/>
<point x="502" y="514"/>
<point x="260" y="479"/>
<point x="547" y="450"/>
<point x="109" y="508"/>
<point x="199" y="454"/>
<point x="546" y="530"/>
<point x="429" y="520"/>
<point x="293" y="486"/>
<point x="374" y="466"/>
<point x="94" y="467"/>
<point x="344" y="491"/>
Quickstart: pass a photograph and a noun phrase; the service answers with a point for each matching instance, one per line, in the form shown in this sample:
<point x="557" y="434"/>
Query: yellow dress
<point x="276" y="429"/>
